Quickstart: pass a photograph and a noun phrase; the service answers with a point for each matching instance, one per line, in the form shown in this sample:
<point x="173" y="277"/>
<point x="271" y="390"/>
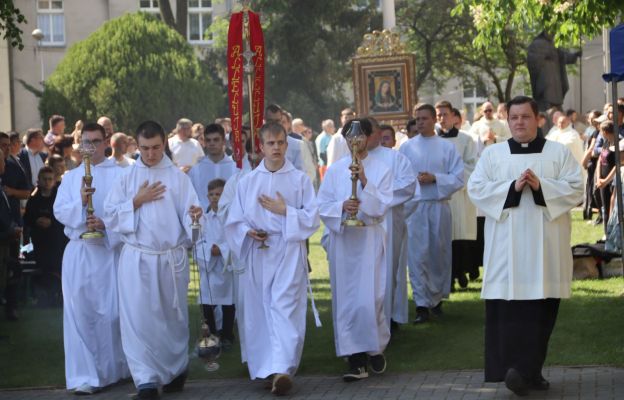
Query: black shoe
<point x="394" y="326"/>
<point x="378" y="364"/>
<point x="437" y="310"/>
<point x="473" y="275"/>
<point x="462" y="281"/>
<point x="422" y="315"/>
<point x="357" y="368"/>
<point x="177" y="384"/>
<point x="151" y="393"/>
<point x="516" y="383"/>
<point x="355" y="374"/>
<point x="539" y="384"/>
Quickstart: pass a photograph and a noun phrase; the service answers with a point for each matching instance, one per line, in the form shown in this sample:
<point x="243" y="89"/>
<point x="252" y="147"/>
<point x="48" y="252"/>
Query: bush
<point x="131" y="69"/>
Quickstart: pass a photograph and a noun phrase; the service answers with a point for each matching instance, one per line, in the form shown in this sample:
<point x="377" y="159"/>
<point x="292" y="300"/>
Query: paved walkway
<point x="583" y="383"/>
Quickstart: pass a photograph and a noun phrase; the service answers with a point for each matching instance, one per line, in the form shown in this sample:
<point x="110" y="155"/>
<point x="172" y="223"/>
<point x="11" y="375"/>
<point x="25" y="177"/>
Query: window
<point x="474" y="96"/>
<point x="199" y="20"/>
<point x="51" y="21"/>
<point x="150" y="7"/>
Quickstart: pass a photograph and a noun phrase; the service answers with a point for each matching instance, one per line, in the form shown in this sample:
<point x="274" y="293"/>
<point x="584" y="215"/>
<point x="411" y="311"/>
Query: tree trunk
<point x="166" y="13"/>
<point x="182" y="17"/>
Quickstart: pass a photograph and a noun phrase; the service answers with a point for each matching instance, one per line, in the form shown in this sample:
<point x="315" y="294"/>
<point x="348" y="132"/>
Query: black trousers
<point x="517" y="333"/>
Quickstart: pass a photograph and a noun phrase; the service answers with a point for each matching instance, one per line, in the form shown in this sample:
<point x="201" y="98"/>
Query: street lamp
<point x="38" y="35"/>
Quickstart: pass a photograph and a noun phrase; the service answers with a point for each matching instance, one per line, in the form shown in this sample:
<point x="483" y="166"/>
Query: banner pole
<point x="618" y="178"/>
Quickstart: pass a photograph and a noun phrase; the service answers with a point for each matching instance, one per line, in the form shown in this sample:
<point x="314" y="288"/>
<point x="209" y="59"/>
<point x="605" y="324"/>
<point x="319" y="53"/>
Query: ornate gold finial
<point x="381" y="43"/>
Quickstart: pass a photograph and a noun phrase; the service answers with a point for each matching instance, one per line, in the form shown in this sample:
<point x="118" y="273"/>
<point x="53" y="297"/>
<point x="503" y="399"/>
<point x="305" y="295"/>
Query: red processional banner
<point x="235" y="66"/>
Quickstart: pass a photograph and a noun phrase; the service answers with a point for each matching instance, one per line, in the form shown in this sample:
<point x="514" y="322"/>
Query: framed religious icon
<point x="384" y="86"/>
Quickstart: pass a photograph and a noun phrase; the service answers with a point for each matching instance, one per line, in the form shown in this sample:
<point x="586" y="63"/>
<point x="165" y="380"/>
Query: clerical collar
<point x="453" y="132"/>
<point x="534" y="146"/>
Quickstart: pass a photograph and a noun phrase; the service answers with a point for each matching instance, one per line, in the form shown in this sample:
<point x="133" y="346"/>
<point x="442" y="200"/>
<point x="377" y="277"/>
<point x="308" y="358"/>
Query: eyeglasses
<point x="95" y="142"/>
<point x="488" y="111"/>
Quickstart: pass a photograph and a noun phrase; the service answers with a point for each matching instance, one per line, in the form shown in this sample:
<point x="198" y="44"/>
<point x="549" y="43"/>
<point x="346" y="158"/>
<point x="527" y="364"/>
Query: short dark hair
<point x="272" y="128"/>
<point x="518" y="100"/>
<point x="456" y="112"/>
<point x="410" y="123"/>
<point x="4" y="135"/>
<point x="274" y="108"/>
<point x="150" y="129"/>
<point x="93" y="127"/>
<point x="45" y="170"/>
<point x="32" y="133"/>
<point x="607" y="126"/>
<point x="216" y="183"/>
<point x="427" y="107"/>
<point x="570" y="111"/>
<point x="13" y="136"/>
<point x="214" y="128"/>
<point x="55" y="119"/>
<point x="367" y="127"/>
<point x="54" y="159"/>
<point x="385" y="127"/>
<point x="444" y="104"/>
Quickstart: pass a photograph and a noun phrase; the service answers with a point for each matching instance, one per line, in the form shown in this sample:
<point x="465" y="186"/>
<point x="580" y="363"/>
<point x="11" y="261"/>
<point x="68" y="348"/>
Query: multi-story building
<point x="63" y="23"/>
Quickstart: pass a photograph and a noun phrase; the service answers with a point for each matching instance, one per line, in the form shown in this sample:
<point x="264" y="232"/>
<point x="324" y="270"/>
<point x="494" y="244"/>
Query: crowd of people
<point x="436" y="199"/>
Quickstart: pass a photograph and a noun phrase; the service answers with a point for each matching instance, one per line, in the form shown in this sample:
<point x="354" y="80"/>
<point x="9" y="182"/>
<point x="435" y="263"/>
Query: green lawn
<point x="588" y="331"/>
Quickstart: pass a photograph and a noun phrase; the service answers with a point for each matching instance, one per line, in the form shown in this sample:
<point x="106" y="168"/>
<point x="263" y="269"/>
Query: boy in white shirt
<point x="216" y="282"/>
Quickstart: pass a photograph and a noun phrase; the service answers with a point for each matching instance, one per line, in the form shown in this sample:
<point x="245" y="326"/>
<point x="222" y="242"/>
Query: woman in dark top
<point x="606" y="170"/>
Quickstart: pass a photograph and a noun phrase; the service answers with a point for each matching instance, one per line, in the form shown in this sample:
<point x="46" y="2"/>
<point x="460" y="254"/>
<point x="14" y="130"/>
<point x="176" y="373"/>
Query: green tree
<point x="308" y="48"/>
<point x="569" y="21"/>
<point x="133" y="68"/>
<point x="442" y="41"/>
<point x="10" y="19"/>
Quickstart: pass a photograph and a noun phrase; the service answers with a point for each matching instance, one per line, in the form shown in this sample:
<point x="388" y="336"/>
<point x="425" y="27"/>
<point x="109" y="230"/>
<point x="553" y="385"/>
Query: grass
<point x="588" y="331"/>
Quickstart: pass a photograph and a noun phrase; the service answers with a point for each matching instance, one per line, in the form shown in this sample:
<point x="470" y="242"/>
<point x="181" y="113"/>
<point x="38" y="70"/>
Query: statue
<point x="547" y="69"/>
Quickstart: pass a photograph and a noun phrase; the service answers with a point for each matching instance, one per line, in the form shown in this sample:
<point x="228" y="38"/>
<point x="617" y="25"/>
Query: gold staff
<point x="354" y="137"/>
<point x="86" y="150"/>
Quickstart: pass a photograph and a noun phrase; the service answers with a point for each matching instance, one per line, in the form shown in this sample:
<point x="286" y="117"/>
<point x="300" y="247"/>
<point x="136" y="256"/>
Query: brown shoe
<point x="281" y="384"/>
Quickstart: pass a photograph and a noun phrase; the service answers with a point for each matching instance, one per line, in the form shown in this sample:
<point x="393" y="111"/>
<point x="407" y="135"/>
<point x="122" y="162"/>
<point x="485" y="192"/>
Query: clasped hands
<point x="425" y="178"/>
<point x="528" y="177"/>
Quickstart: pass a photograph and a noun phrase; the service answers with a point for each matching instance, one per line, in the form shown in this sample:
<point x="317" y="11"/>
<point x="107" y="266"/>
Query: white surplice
<point x="185" y="153"/>
<point x="93" y="352"/>
<point x="205" y="171"/>
<point x="403" y="185"/>
<point x="527" y="252"/>
<point x="428" y="217"/>
<point x="216" y="280"/>
<point x="275" y="281"/>
<point x="463" y="212"/>
<point x="357" y="259"/>
<point x="232" y="262"/>
<point x="483" y="126"/>
<point x="153" y="270"/>
<point x="337" y="148"/>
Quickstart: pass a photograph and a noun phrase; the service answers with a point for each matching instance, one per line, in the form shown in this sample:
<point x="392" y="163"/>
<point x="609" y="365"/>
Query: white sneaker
<point x="85" y="390"/>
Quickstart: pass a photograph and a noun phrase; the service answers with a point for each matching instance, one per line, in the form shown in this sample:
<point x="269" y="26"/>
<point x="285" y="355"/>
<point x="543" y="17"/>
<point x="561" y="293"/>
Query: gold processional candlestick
<point x="354" y="137"/>
<point x="86" y="150"/>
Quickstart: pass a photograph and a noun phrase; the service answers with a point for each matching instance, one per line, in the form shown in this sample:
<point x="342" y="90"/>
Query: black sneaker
<point x="151" y="393"/>
<point x="437" y="310"/>
<point x="177" y="384"/>
<point x="378" y="364"/>
<point x="355" y="374"/>
<point x="422" y="315"/>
